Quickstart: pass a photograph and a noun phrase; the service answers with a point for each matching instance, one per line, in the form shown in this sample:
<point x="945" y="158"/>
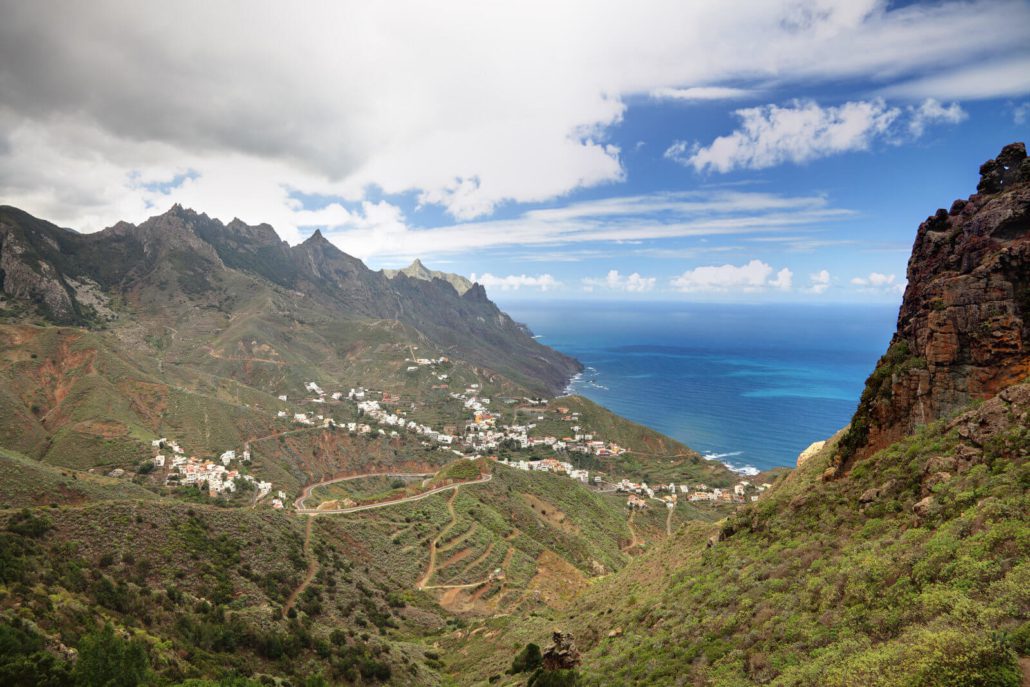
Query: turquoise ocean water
<point x="750" y="385"/>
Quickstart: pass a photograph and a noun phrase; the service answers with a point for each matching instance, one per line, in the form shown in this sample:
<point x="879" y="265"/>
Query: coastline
<point x="749" y="387"/>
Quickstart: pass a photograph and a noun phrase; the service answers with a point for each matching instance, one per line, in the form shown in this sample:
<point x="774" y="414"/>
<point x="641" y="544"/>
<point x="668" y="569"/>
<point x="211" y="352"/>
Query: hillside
<point x="911" y="571"/>
<point x="171" y="391"/>
<point x="185" y="272"/>
<point x="894" y="555"/>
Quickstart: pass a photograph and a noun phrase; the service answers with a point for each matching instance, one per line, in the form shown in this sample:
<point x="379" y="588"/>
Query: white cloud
<point x="1021" y="113"/>
<point x="772" y="135"/>
<point x="751" y="277"/>
<point x="930" y="111"/>
<point x="878" y="279"/>
<point x="990" y="79"/>
<point x="878" y="282"/>
<point x="612" y="220"/>
<point x="514" y="282"/>
<point x="818" y="282"/>
<point x="700" y="93"/>
<point x="633" y="283"/>
<point x="783" y="281"/>
<point x="466" y="105"/>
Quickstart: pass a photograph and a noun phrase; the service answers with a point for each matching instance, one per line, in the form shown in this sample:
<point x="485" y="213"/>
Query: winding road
<point x="385" y="504"/>
<point x="306" y="492"/>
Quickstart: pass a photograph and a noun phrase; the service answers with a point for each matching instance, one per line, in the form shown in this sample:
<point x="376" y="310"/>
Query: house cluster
<point x="670" y="493"/>
<point x="311" y="419"/>
<point x="415" y="363"/>
<point x="373" y="410"/>
<point x="551" y="465"/>
<point x="217" y="475"/>
<point x="484" y="434"/>
<point x="741" y="492"/>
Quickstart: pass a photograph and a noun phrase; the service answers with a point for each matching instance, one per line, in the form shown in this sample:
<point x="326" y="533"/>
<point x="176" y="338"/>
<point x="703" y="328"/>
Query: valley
<point x="250" y="463"/>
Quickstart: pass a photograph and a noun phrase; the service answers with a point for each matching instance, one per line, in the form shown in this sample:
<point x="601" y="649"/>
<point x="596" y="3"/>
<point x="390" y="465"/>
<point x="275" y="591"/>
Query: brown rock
<point x="562" y="654"/>
<point x="922" y="508"/>
<point x="933" y="480"/>
<point x="964" y="324"/>
<point x="869" y="495"/>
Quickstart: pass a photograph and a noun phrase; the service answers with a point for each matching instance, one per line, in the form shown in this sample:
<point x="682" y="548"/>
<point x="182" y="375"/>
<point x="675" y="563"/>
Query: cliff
<point x="964" y="324"/>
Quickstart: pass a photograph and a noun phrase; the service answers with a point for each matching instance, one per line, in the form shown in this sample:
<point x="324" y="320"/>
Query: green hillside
<point x="913" y="570"/>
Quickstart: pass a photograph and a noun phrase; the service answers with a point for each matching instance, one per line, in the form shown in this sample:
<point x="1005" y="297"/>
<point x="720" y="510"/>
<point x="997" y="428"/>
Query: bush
<point x="29" y="525"/>
<point x="107" y="660"/>
<point x="527" y="660"/>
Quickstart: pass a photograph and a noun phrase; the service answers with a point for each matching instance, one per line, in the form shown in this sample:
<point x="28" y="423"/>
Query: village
<point x="482" y="435"/>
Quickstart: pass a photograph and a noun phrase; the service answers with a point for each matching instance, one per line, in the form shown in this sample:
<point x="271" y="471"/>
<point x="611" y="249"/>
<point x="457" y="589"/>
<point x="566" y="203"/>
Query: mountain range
<point x="387" y="548"/>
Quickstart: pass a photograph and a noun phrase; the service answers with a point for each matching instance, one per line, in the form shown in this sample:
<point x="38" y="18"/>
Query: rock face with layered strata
<point x="964" y="325"/>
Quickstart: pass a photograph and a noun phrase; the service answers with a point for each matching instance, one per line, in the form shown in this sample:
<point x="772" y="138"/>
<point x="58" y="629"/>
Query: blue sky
<point x="873" y="199"/>
<point x="743" y="151"/>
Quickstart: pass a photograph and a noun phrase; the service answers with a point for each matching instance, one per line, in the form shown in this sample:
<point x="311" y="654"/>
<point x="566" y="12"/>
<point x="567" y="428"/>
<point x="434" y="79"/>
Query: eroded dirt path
<point x="309" y="576"/>
<point x="635" y="539"/>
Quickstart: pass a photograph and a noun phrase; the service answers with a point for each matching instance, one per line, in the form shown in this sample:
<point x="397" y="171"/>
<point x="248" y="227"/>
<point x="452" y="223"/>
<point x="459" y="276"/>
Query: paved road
<point x="384" y="504"/>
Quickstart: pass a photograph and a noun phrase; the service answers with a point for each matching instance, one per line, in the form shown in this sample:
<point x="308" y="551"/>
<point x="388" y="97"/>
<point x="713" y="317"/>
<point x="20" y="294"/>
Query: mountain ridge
<point x="416" y="270"/>
<point x="185" y="256"/>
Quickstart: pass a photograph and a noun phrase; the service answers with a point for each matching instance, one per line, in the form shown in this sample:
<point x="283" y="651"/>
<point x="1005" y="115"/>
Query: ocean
<point x="749" y="385"/>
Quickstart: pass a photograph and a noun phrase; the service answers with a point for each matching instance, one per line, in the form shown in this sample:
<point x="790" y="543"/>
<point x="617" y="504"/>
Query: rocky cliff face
<point x="964" y="325"/>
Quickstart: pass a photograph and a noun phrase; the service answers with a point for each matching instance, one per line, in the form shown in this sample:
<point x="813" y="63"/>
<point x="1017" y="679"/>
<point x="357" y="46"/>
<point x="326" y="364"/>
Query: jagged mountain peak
<point x="964" y="323"/>
<point x="417" y="270"/>
<point x="197" y="264"/>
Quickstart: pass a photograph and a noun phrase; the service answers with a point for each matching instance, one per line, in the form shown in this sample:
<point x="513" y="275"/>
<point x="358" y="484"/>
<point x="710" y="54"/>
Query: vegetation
<point x="895" y="575"/>
<point x="895" y="362"/>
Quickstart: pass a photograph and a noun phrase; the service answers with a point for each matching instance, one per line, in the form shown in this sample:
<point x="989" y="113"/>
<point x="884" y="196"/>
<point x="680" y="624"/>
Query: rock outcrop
<point x="562" y="654"/>
<point x="964" y="325"/>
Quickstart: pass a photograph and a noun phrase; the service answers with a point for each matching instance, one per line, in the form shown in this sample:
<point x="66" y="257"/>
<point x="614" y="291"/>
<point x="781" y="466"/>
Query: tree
<point x="107" y="660"/>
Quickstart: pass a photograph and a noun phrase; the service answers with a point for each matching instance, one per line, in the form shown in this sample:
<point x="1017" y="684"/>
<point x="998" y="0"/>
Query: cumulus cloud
<point x="874" y="279"/>
<point x="751" y="277"/>
<point x="783" y="281"/>
<point x="803" y="131"/>
<point x="465" y="106"/>
<point x="514" y="282"/>
<point x="933" y="112"/>
<point x="633" y="283"/>
<point x="879" y="282"/>
<point x="771" y="135"/>
<point x="818" y="282"/>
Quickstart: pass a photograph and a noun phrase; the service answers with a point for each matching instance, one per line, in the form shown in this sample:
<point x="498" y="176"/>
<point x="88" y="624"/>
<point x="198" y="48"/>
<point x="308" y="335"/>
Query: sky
<point x="741" y="151"/>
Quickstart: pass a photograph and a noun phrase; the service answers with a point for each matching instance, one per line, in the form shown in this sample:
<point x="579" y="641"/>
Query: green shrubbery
<point x="810" y="587"/>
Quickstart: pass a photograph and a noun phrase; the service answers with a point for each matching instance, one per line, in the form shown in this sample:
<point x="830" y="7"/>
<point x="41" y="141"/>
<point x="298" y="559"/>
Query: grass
<point x="807" y="587"/>
<point x="27" y="482"/>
